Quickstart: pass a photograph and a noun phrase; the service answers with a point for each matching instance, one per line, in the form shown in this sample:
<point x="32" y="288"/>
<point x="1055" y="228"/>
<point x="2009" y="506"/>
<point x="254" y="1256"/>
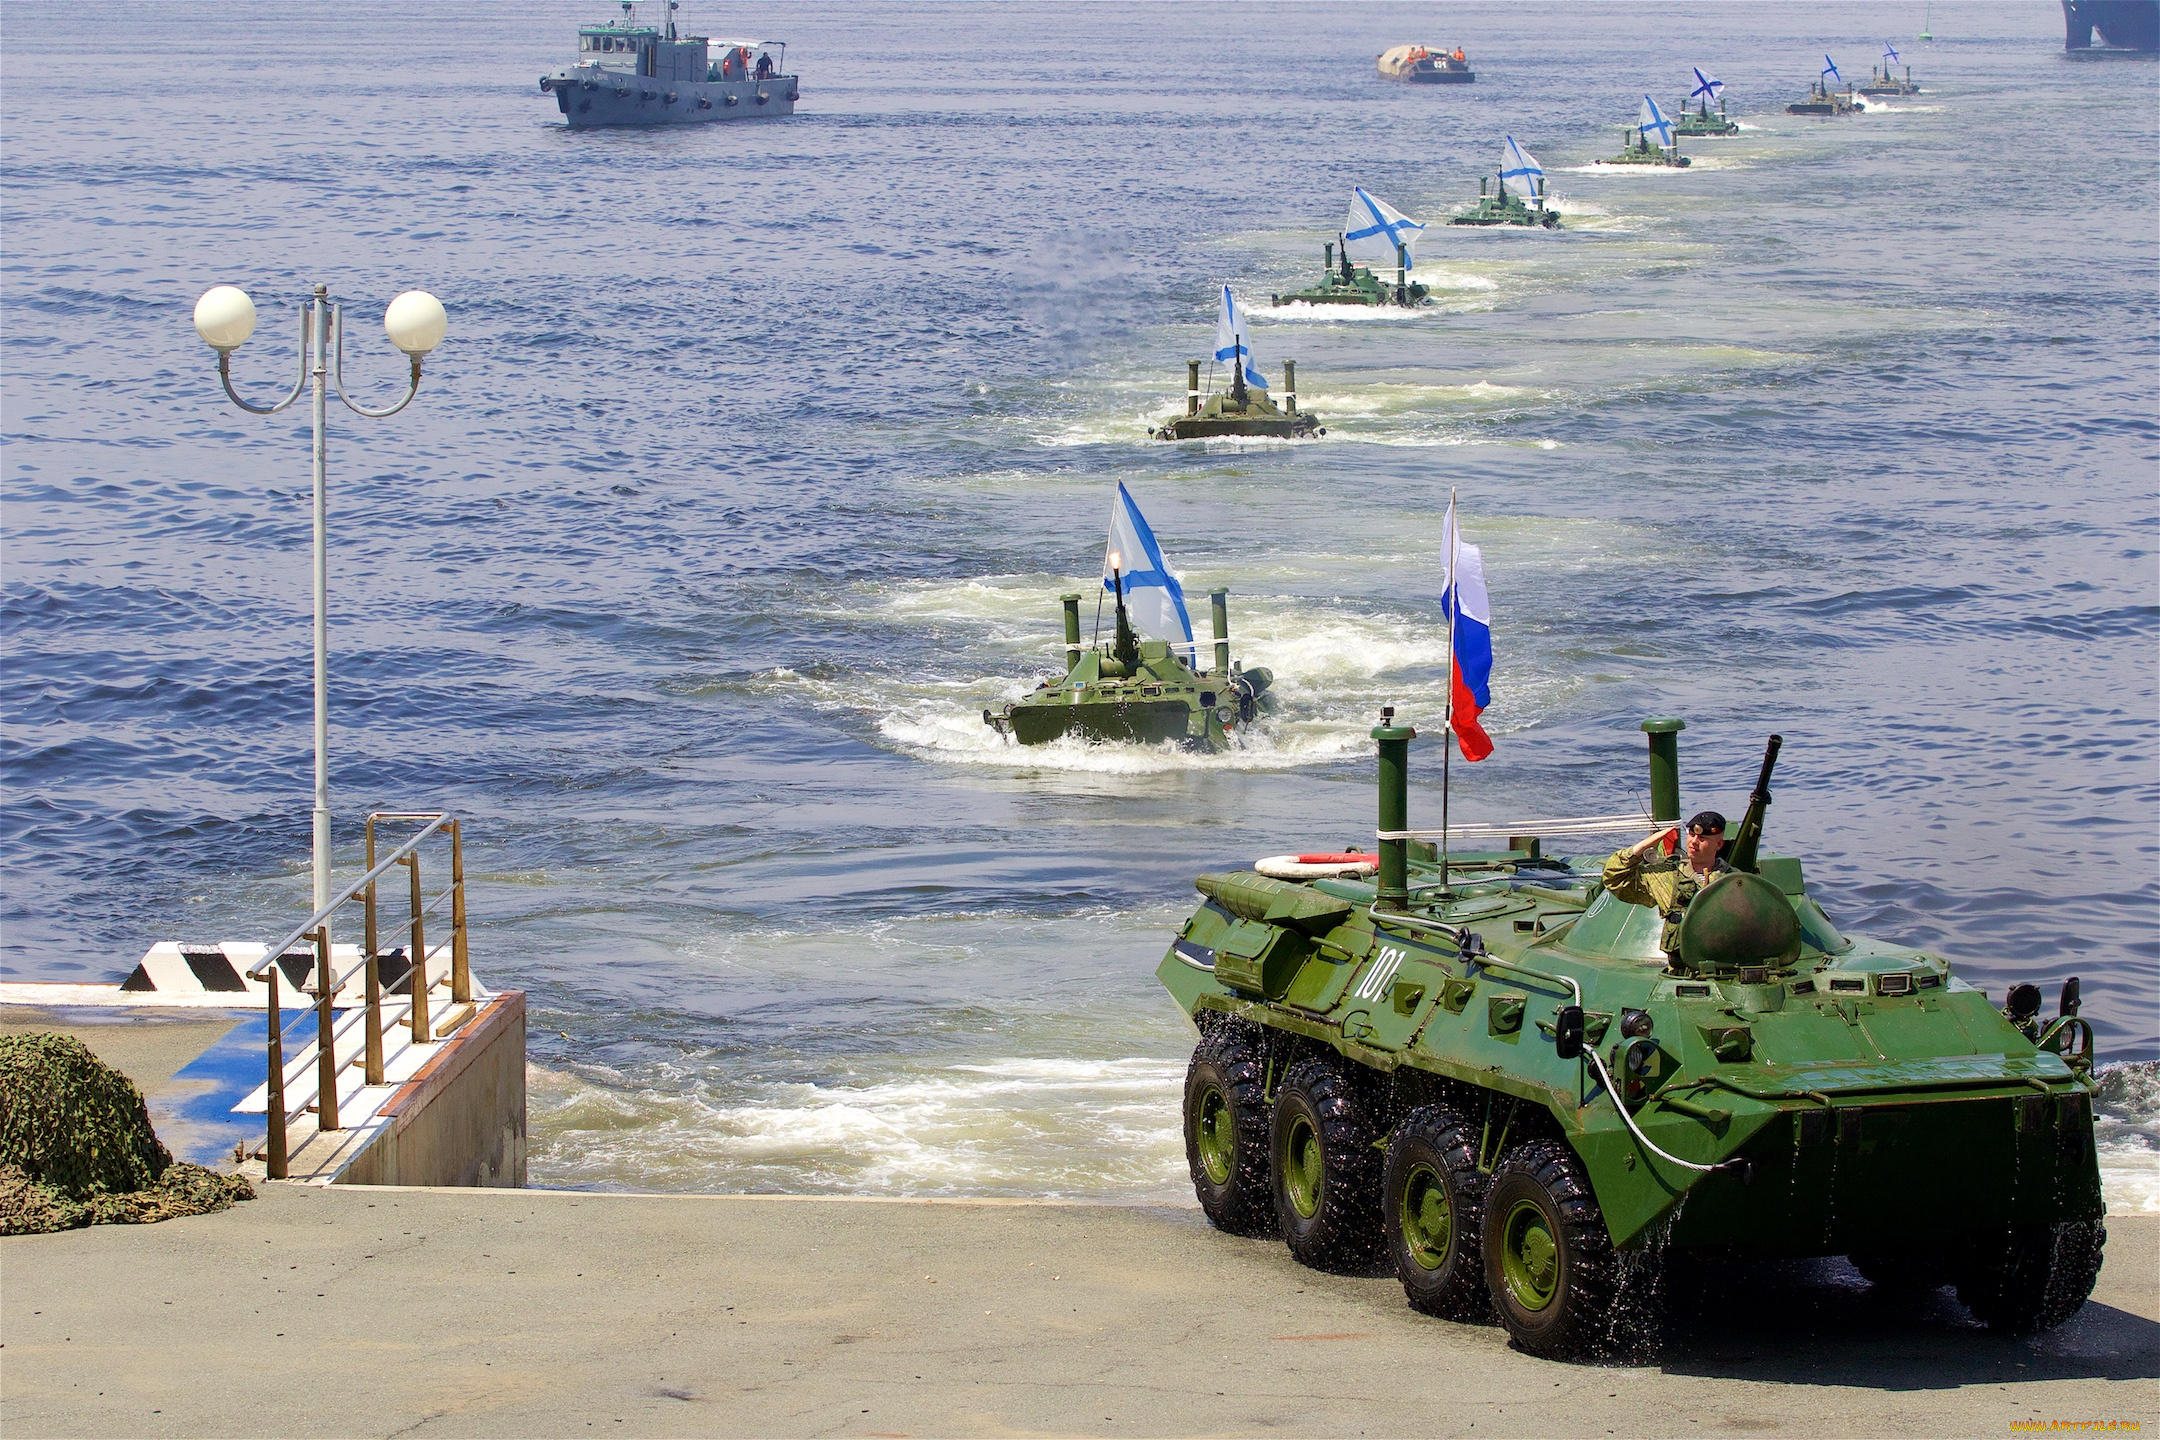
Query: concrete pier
<point x="450" y="1111"/>
<point x="354" y="1311"/>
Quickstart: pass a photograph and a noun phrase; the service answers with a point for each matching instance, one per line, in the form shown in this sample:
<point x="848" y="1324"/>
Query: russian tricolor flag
<point x="1469" y="641"/>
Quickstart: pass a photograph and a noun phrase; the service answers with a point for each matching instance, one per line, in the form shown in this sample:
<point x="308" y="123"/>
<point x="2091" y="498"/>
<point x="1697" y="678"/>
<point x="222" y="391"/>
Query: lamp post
<point x="415" y="322"/>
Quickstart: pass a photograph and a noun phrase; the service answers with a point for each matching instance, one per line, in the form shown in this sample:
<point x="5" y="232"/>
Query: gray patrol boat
<point x="632" y="74"/>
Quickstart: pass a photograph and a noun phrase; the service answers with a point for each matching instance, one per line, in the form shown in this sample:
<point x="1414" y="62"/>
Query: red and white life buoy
<point x="1347" y="865"/>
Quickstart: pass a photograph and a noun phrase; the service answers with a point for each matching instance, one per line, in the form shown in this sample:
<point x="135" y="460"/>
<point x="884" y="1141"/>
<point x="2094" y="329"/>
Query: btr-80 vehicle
<point x="1493" y="1073"/>
<point x="1343" y="283"/>
<point x="1241" y="409"/>
<point x="1140" y="691"/>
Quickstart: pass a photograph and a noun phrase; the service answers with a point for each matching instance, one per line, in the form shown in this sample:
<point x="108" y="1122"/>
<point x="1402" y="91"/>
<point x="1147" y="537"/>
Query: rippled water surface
<point x="759" y="454"/>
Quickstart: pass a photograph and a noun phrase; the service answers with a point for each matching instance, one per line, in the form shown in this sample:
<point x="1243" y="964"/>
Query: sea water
<point x="758" y="455"/>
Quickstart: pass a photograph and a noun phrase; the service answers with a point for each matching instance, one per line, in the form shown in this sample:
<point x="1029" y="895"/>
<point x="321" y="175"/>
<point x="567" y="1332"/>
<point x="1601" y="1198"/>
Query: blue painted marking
<point x="193" y="1110"/>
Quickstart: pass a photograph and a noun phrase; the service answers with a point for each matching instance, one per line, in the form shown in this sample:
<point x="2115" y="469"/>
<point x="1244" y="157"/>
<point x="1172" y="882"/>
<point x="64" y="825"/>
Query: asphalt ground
<point x="349" y="1311"/>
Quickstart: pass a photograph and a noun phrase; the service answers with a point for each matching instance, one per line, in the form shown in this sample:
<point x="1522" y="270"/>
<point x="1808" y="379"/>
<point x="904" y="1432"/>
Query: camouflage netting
<point x="76" y="1147"/>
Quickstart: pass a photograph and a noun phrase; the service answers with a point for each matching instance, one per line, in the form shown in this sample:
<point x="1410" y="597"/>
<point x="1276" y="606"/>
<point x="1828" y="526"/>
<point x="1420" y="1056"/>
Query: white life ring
<point x="1318" y="867"/>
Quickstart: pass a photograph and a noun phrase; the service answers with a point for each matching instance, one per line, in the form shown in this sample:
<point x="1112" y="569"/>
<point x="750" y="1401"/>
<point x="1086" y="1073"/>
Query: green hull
<point x="1301" y="426"/>
<point x="1651" y="155"/>
<point x="1330" y="292"/>
<point x="1882" y="82"/>
<point x="1824" y="102"/>
<point x="1139" y="722"/>
<point x="1509" y="210"/>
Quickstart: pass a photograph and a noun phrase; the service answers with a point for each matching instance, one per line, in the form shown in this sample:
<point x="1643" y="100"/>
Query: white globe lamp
<point x="415" y="322"/>
<point x="224" y="317"/>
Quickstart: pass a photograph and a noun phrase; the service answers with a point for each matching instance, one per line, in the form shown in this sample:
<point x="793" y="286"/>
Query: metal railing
<point x="315" y="931"/>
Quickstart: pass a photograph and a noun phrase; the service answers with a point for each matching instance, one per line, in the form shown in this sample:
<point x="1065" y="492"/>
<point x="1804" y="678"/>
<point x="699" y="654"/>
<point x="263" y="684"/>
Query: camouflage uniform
<point x="1665" y="884"/>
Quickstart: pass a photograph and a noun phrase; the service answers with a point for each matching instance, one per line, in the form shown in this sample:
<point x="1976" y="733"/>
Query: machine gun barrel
<point x="1749" y="838"/>
<point x="1126" y="648"/>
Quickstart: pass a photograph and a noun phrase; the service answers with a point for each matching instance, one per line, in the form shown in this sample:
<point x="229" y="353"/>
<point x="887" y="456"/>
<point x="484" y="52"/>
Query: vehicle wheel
<point x="1327" y="1173"/>
<point x="1548" y="1261"/>
<point x="1433" y="1204"/>
<point x="2032" y="1277"/>
<point x="1226" y="1130"/>
<point x="1905" y="1269"/>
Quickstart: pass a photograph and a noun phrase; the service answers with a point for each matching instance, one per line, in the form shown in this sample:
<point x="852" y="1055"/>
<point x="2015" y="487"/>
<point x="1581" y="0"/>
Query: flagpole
<point x="1447" y="731"/>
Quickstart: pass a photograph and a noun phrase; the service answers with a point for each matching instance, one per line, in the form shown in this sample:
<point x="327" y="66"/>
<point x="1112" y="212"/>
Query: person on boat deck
<point x="1459" y="56"/>
<point x="1668" y="884"/>
<point x="764" y="67"/>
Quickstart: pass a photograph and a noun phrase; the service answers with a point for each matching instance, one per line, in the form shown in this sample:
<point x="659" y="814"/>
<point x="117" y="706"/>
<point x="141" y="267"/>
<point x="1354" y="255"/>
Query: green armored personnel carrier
<point x="1499" y="207"/>
<point x="1884" y="79"/>
<point x="1245" y="407"/>
<point x="1699" y="123"/>
<point x="1652" y="140"/>
<point x="1143" y="691"/>
<point x="1822" y="100"/>
<point x="1342" y="283"/>
<point x="1517" y="196"/>
<point x="1379" y="235"/>
<point x="1241" y="409"/>
<point x="1492" y="1070"/>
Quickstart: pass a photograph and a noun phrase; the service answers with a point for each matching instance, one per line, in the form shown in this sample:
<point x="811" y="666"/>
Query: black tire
<point x="1226" y="1130"/>
<point x="2032" y="1277"/>
<point x="1548" y="1260"/>
<point x="1326" y="1169"/>
<point x="1432" y="1204"/>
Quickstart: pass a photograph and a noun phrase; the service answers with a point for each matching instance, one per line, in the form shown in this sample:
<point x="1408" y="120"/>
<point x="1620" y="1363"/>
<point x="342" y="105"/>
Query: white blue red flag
<point x="1154" y="599"/>
<point x="1469" y="642"/>
<point x="1233" y="339"/>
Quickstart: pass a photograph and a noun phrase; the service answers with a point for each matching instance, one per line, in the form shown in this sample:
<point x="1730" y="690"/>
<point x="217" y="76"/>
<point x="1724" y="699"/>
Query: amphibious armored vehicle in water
<point x="1884" y="79"/>
<point x="1517" y="196"/>
<point x="1490" y="1069"/>
<point x="1822" y="99"/>
<point x="1652" y="140"/>
<point x="1244" y="406"/>
<point x="1380" y="236"/>
<point x="1699" y="122"/>
<point x="1138" y="691"/>
<point x="1142" y="691"/>
<point x="632" y="74"/>
<point x="1342" y="283"/>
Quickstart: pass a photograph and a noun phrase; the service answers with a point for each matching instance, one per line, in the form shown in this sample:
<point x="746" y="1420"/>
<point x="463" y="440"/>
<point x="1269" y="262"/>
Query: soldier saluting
<point x="1667" y="884"/>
